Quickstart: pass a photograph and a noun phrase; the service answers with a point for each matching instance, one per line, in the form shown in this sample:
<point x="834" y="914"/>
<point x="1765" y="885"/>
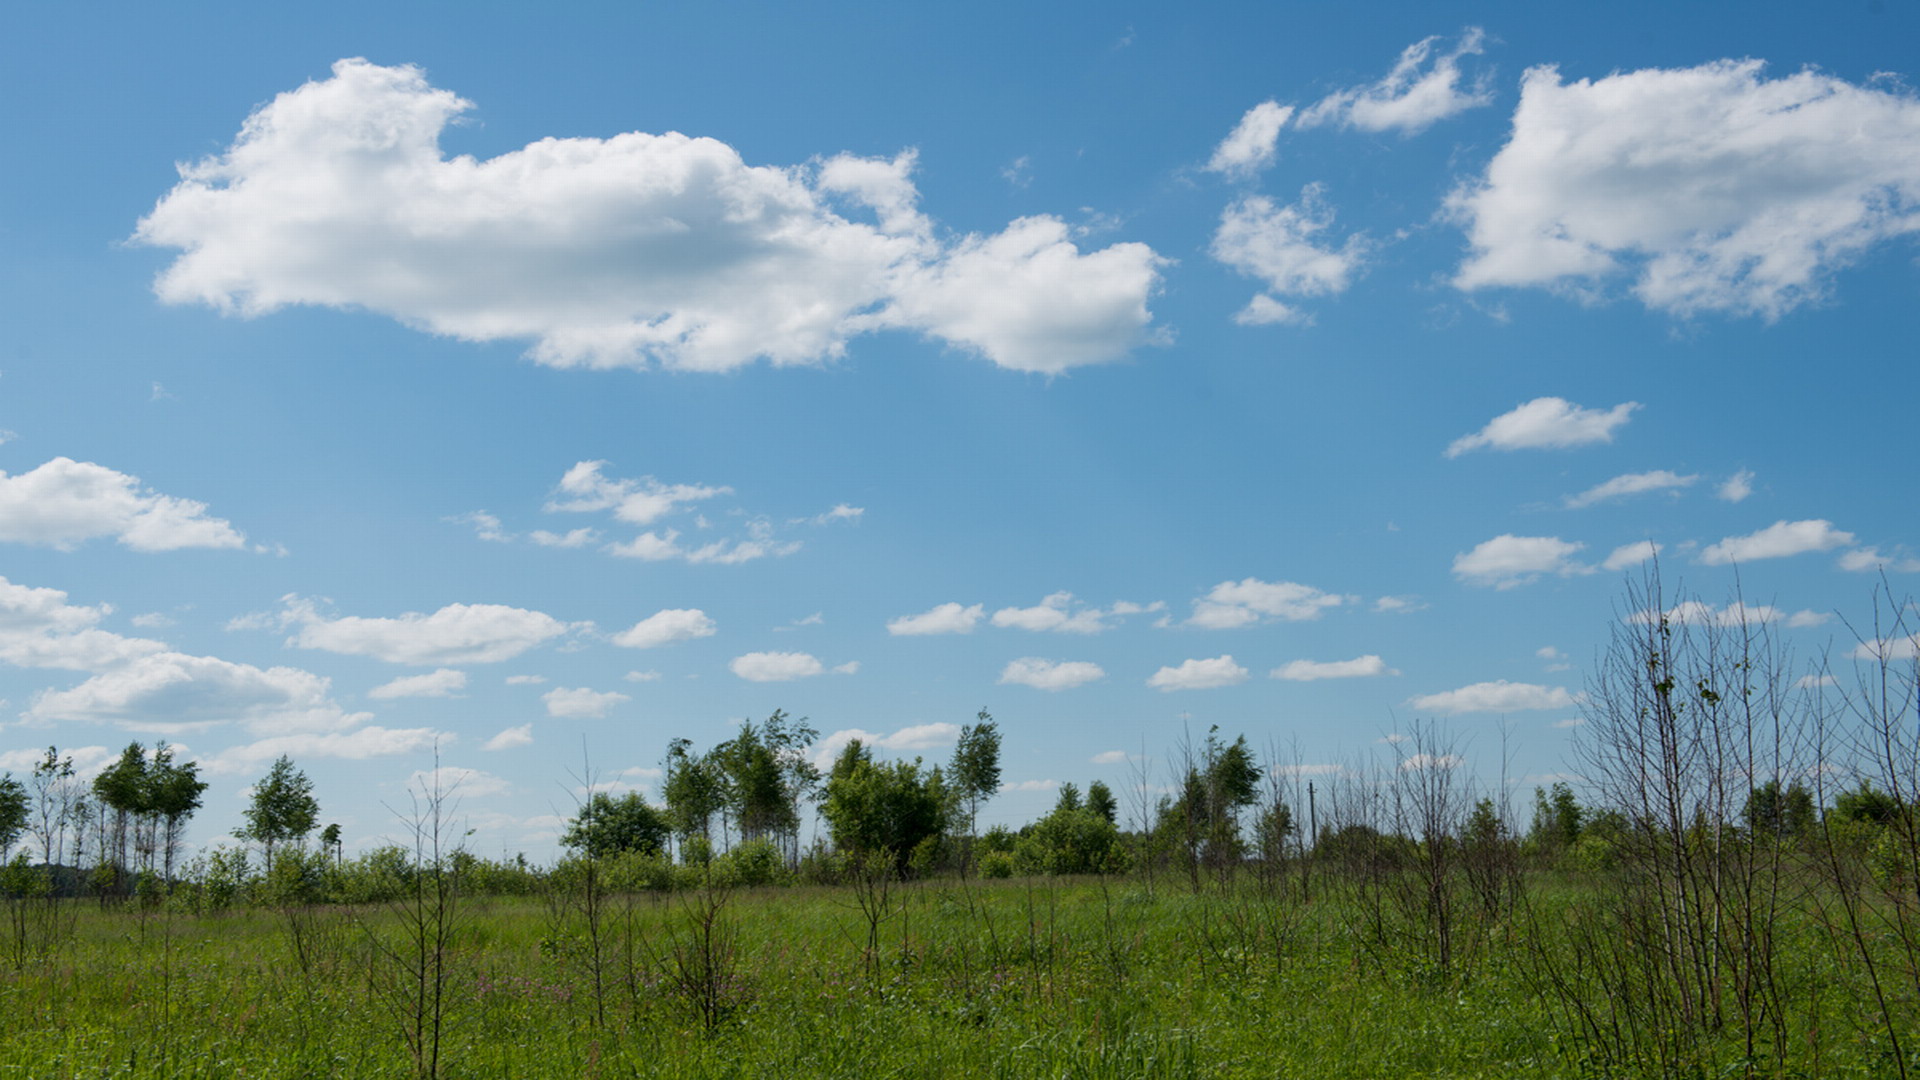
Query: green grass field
<point x="1028" y="978"/>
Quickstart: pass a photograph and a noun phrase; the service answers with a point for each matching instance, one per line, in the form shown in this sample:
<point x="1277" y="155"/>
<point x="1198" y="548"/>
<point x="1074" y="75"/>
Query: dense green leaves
<point x="606" y="826"/>
<point x="283" y="807"/>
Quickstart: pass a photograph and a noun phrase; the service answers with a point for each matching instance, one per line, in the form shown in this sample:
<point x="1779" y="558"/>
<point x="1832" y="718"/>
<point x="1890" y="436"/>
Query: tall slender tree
<point x="976" y="770"/>
<point x="283" y="808"/>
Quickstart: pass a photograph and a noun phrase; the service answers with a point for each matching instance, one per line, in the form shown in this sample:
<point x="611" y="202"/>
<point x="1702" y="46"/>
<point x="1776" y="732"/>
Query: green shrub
<point x="996" y="864"/>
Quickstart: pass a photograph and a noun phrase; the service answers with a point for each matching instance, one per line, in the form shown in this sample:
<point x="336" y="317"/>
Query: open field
<point x="1035" y="977"/>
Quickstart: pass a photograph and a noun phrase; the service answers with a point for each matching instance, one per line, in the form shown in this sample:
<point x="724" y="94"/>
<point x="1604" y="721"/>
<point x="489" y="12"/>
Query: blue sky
<point x="546" y="386"/>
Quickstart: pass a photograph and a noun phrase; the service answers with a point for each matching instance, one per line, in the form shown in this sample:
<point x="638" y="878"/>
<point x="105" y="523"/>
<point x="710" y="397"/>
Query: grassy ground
<point x="1004" y="979"/>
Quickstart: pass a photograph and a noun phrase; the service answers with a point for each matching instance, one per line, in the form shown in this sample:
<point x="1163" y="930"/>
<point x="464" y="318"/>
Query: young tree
<point x="283" y="808"/>
<point x="883" y="808"/>
<point x="607" y="826"/>
<point x="13" y="812"/>
<point x="695" y="791"/>
<point x="330" y="842"/>
<point x="1100" y="800"/>
<point x="174" y="793"/>
<point x="767" y="774"/>
<point x="975" y="773"/>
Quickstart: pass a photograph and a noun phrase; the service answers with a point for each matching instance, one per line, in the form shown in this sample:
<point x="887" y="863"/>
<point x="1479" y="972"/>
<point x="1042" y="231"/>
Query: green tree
<point x="123" y="789"/>
<point x="1557" y="818"/>
<point x="174" y="792"/>
<point x="1785" y="814"/>
<point x="606" y="825"/>
<point x="283" y="808"/>
<point x="13" y="812"/>
<point x="330" y="840"/>
<point x="975" y="773"/>
<point x="767" y="774"/>
<point x="1100" y="800"/>
<point x="695" y="790"/>
<point x="886" y="808"/>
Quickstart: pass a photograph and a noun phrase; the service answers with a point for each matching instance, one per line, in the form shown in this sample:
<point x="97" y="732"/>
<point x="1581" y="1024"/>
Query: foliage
<point x="283" y="808"/>
<point x="13" y="812"/>
<point x="606" y="825"/>
<point x="884" y="808"/>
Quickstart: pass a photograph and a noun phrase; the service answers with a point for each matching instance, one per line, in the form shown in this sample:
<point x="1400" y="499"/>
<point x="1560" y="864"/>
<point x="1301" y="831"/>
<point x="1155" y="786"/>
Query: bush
<point x="996" y="864"/>
<point x="756" y="862"/>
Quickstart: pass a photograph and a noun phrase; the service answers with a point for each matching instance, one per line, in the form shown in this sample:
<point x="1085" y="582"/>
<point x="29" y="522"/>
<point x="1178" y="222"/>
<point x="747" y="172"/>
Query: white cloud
<point x="851" y="667"/>
<point x="581" y="703"/>
<point x="39" y="629"/>
<point x="1276" y="245"/>
<point x="512" y="738"/>
<point x="526" y="680"/>
<point x="1737" y="613"/>
<point x="455" y="782"/>
<point x="667" y="627"/>
<point x="357" y="745"/>
<point x="1399" y="605"/>
<point x="1546" y="423"/>
<point x="840" y="512"/>
<point x="1042" y="674"/>
<point x="642" y="676"/>
<point x="1417" y="762"/>
<point x="776" y="666"/>
<point x="1111" y="757"/>
<point x="1310" y="670"/>
<point x="1857" y="560"/>
<point x="485" y="526"/>
<point x="1309" y="769"/>
<point x="1736" y="487"/>
<point x="1507" y="561"/>
<point x="1888" y="649"/>
<point x="1630" y="555"/>
<point x="622" y="252"/>
<point x="1413" y="96"/>
<point x="169" y="692"/>
<point x="1233" y="604"/>
<point x="153" y="620"/>
<point x="584" y="488"/>
<point x="661" y="547"/>
<point x="949" y="618"/>
<point x="455" y="634"/>
<point x="572" y="538"/>
<point x="907" y="739"/>
<point x="1249" y="148"/>
<point x="1778" y="540"/>
<point x="1548" y="652"/>
<point x="1628" y="484"/>
<point x="1801" y="620"/>
<point x="442" y="683"/>
<point x="64" y="503"/>
<point x="1814" y="682"/>
<point x="1199" y="675"/>
<point x="1715" y="189"/>
<point x="1498" y="696"/>
<point x="1056" y="613"/>
<point x="1030" y="785"/>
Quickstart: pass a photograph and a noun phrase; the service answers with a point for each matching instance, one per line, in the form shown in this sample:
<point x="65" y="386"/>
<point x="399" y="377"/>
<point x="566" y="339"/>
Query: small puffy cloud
<point x="1735" y="488"/>
<point x="840" y="512"/>
<point x="1111" y="757"/>
<point x="445" y="682"/>
<point x="1424" y="87"/>
<point x="949" y="618"/>
<point x="776" y="666"/>
<point x="651" y="546"/>
<point x="1044" y="674"/>
<point x="1546" y="423"/>
<point x="455" y="782"/>
<point x="1057" y="613"/>
<point x="1802" y="620"/>
<point x="1621" y="487"/>
<point x="581" y="703"/>
<point x="485" y="526"/>
<point x="64" y="503"/>
<point x="905" y="740"/>
<point x="1507" y="561"/>
<point x="1399" y="605"/>
<point x="512" y="738"/>
<point x="1889" y="649"/>
<point x="1199" y="675"/>
<point x="357" y="745"/>
<point x="1359" y="667"/>
<point x="667" y="627"/>
<point x="624" y="252"/>
<point x="455" y="634"/>
<point x="1417" y="762"/>
<point x="1737" y="613"/>
<point x="851" y="667"/>
<point x="40" y="629"/>
<point x="1713" y="188"/>
<point x="526" y="680"/>
<point x="1814" y="682"/>
<point x="1498" y="696"/>
<point x="642" y="676"/>
<point x="169" y="691"/>
<point x="1233" y="604"/>
<point x="585" y="488"/>
<point x="1279" y="246"/>
<point x="1030" y="785"/>
<point x="1778" y="540"/>
<point x="1548" y="652"/>
<point x="1249" y="148"/>
<point x="1857" y="560"/>
<point x="572" y="538"/>
<point x="1627" y="556"/>
<point x="153" y="620"/>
